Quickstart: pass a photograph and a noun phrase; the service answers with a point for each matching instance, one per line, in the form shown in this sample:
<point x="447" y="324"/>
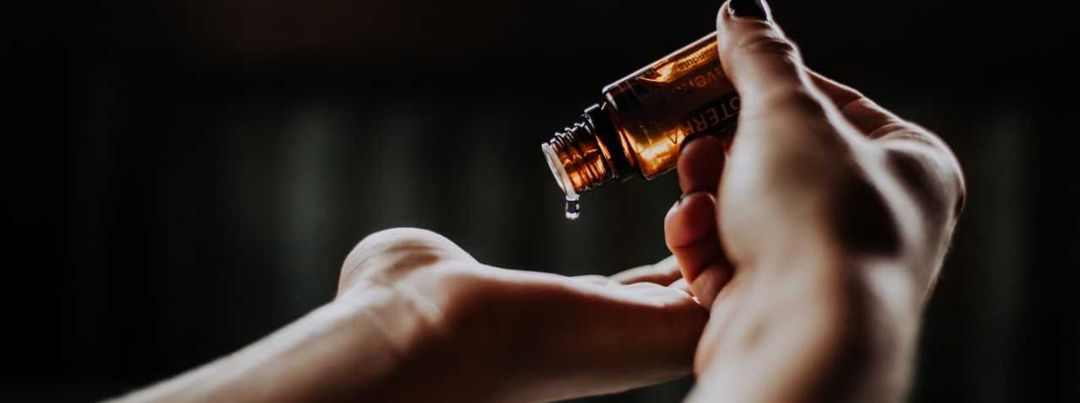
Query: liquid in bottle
<point x="642" y="121"/>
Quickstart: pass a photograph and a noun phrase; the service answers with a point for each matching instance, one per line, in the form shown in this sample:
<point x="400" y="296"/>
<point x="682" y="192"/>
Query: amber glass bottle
<point x="643" y="120"/>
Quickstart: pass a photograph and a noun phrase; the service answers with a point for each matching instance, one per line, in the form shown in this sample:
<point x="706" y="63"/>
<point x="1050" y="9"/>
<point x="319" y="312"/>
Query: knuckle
<point x="793" y="101"/>
<point x="865" y="217"/>
<point x="769" y="42"/>
<point x="858" y="102"/>
<point x="897" y="129"/>
<point x="914" y="172"/>
<point x="932" y="179"/>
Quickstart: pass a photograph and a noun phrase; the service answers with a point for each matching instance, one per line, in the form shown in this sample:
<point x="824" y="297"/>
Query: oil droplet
<point x="573" y="207"/>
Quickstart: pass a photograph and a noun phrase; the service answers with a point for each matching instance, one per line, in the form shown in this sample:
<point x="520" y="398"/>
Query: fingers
<point x="596" y="279"/>
<point x="785" y="129"/>
<point x="758" y="59"/>
<point x="690" y="228"/>
<point x="867" y="116"/>
<point x="690" y="231"/>
<point x="681" y="284"/>
<point x="575" y="339"/>
<point x="662" y="333"/>
<point x="663" y="272"/>
<point x="666" y="272"/>
<point x="917" y="155"/>
<point x="701" y="163"/>
<point x="664" y="323"/>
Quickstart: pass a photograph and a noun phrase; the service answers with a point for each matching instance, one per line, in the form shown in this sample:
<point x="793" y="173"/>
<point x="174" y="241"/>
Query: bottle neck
<point x="588" y="153"/>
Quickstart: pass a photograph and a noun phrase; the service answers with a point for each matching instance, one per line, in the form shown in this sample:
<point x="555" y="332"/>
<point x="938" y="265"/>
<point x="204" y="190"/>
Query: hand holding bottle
<point x="816" y="237"/>
<point x="814" y="245"/>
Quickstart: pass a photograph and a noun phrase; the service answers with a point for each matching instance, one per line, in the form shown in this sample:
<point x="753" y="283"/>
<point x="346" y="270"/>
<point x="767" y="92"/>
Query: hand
<point x="490" y="333"/>
<point x="816" y="237"/>
<point x="418" y="319"/>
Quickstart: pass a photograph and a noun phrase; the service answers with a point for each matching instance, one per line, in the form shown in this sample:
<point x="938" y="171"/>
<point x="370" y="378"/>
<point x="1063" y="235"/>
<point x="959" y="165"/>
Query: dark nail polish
<point x="749" y="9"/>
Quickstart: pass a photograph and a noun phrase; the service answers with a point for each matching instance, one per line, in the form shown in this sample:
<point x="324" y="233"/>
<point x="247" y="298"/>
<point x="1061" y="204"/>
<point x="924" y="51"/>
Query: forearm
<point x="336" y="352"/>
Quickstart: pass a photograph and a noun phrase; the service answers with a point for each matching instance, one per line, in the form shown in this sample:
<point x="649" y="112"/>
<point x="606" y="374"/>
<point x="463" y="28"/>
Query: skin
<point x="802" y="258"/>
<point x="815" y="239"/>
<point x="418" y="319"/>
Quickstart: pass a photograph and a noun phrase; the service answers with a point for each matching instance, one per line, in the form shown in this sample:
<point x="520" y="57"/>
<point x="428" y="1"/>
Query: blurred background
<point x="185" y="177"/>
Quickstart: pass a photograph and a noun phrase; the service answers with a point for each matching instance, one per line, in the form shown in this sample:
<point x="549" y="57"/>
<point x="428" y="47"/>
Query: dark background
<point x="184" y="177"/>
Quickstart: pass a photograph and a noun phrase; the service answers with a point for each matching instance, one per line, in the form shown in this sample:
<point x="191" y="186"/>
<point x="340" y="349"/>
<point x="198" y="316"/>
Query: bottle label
<point x="682" y="95"/>
<point x="716" y="118"/>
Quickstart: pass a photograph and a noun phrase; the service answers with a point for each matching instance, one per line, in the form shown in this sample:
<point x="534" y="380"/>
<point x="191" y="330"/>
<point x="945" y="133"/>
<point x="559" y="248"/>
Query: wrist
<point x="350" y="348"/>
<point x="385" y="332"/>
<point x="341" y="351"/>
<point x="426" y="325"/>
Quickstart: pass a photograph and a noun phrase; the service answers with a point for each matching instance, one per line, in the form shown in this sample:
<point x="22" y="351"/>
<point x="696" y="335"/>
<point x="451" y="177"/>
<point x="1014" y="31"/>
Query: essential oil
<point x="642" y="121"/>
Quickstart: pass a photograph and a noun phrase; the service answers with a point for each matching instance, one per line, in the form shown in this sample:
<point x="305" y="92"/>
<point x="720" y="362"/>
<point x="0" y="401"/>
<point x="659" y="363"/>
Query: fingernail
<point x="674" y="207"/>
<point x="683" y="197"/>
<point x="755" y="9"/>
<point x="678" y="202"/>
<point x="688" y="140"/>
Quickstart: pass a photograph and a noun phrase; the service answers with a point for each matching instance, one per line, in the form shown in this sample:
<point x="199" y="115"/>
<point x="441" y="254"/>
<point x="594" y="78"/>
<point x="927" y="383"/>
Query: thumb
<point x="760" y="61"/>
